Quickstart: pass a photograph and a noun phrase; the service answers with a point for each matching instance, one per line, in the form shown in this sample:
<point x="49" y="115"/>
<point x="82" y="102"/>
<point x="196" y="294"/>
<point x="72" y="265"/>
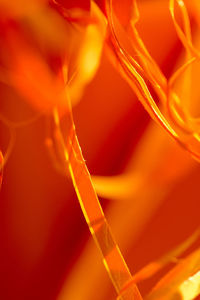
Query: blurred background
<point x="148" y="185"/>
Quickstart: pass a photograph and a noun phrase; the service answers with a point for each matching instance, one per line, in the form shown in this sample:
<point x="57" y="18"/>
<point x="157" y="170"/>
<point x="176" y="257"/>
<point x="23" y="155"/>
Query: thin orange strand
<point x="93" y="213"/>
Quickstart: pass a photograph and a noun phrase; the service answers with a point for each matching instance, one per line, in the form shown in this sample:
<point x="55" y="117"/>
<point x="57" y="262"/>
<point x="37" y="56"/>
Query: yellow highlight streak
<point x="141" y="71"/>
<point x="93" y="213"/>
<point x="190" y="288"/>
<point x="169" y="286"/>
<point x="184" y="37"/>
<point x="134" y="78"/>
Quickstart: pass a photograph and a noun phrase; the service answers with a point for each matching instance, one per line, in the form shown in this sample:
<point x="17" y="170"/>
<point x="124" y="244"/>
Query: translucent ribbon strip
<point x="93" y="213"/>
<point x="141" y="71"/>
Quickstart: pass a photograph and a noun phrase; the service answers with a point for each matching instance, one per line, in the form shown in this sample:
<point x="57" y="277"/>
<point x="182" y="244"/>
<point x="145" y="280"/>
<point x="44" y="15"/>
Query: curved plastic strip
<point x="93" y="213"/>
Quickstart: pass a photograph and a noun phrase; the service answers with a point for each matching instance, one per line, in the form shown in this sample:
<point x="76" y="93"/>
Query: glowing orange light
<point x="52" y="53"/>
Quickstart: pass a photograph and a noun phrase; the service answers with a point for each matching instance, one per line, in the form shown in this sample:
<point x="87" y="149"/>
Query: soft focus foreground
<point x="85" y="64"/>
